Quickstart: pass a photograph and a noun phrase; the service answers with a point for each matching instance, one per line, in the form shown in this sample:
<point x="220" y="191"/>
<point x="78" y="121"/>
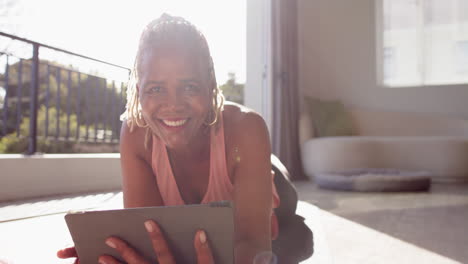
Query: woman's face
<point x="174" y="95"/>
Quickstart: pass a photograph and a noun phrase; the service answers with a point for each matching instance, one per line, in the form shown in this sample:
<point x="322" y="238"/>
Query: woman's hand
<point x="68" y="253"/>
<point x="162" y="250"/>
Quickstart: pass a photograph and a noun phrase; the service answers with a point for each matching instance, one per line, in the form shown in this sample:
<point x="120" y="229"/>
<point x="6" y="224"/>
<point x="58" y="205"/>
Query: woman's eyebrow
<point x="189" y="80"/>
<point x="152" y="83"/>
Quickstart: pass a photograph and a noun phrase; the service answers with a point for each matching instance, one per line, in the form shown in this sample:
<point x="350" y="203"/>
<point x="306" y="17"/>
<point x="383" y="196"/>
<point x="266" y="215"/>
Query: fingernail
<point x="110" y="243"/>
<point x="149" y="226"/>
<point x="101" y="261"/>
<point x="202" y="237"/>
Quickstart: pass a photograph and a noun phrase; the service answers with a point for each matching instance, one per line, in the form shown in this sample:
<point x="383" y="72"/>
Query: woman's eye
<point x="191" y="88"/>
<point x="155" y="89"/>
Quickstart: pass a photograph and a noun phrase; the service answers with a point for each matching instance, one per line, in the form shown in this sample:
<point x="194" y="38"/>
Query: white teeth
<point x="175" y="123"/>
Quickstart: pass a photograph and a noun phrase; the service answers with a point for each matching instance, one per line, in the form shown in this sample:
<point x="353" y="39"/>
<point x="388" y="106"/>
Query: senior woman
<point x="181" y="144"/>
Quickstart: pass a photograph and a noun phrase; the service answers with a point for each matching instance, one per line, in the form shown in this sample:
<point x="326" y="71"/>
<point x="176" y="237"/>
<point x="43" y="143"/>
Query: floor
<point x="429" y="227"/>
<point x="426" y="227"/>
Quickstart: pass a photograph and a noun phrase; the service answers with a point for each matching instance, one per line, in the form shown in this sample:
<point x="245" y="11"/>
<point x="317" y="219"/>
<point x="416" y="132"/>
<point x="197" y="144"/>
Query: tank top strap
<point x="219" y="186"/>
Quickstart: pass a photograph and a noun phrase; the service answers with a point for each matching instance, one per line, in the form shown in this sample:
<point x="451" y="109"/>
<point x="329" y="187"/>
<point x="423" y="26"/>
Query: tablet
<point x="179" y="224"/>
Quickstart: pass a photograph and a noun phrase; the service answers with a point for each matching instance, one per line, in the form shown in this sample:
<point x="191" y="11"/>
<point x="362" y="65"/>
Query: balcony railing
<point x="44" y="100"/>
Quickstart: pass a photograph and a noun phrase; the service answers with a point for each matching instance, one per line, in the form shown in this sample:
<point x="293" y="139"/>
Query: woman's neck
<point x="196" y="150"/>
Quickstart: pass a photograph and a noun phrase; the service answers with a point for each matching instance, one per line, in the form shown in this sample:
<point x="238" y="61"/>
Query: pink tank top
<point x="219" y="184"/>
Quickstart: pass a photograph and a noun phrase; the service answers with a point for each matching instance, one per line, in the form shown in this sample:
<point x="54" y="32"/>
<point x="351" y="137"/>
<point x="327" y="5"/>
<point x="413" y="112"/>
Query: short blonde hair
<point x="170" y="30"/>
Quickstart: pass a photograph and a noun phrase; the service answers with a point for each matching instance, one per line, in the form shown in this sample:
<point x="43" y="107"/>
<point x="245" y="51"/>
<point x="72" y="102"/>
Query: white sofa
<point x="395" y="140"/>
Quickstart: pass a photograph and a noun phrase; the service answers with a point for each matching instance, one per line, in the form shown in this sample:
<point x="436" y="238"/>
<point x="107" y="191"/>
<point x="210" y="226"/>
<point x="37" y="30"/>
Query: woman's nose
<point x="174" y="99"/>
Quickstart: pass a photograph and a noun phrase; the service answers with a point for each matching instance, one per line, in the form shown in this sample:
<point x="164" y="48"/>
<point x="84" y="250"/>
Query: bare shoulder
<point x="241" y="121"/>
<point x="133" y="142"/>
<point x="140" y="188"/>
<point x="245" y="132"/>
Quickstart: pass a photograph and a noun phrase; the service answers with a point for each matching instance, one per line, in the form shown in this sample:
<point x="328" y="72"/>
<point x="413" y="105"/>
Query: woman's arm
<point x="139" y="184"/>
<point x="252" y="188"/>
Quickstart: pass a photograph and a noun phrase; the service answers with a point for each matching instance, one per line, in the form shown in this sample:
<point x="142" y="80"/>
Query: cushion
<point x="329" y="118"/>
<point x="375" y="180"/>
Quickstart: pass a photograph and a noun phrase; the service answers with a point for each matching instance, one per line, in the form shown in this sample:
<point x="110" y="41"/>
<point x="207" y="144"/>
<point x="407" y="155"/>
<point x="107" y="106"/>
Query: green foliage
<point x="233" y="91"/>
<point x="84" y="95"/>
<point x="52" y="116"/>
<point x="13" y="144"/>
<point x="88" y="98"/>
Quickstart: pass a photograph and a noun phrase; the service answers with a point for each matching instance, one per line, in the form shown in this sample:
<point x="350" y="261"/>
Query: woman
<point x="180" y="144"/>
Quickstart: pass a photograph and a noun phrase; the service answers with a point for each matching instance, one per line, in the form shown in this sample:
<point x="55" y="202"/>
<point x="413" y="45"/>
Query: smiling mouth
<point x="174" y="123"/>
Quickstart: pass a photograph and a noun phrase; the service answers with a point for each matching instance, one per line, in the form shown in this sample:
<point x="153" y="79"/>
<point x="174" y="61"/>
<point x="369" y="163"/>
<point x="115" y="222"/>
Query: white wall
<point x="51" y="174"/>
<point x="338" y="61"/>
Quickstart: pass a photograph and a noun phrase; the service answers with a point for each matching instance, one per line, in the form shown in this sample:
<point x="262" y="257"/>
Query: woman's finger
<point x="106" y="259"/>
<point x="160" y="246"/>
<point x="127" y="252"/>
<point x="202" y="247"/>
<point x="67" y="253"/>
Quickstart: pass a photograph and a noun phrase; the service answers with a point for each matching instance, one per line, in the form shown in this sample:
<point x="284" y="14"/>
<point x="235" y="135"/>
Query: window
<point x="422" y="42"/>
<point x="462" y="57"/>
<point x="389" y="62"/>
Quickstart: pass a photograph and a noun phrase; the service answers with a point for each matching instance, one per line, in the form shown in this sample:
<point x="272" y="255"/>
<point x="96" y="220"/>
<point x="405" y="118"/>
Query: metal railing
<point x="68" y="105"/>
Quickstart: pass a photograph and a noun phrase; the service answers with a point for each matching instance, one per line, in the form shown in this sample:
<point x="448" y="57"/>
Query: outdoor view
<point x="425" y="42"/>
<point x="79" y="100"/>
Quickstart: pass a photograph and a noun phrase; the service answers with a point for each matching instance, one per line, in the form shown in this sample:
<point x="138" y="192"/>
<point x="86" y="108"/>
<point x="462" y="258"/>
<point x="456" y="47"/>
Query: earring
<point x="215" y="117"/>
<point x="139" y="119"/>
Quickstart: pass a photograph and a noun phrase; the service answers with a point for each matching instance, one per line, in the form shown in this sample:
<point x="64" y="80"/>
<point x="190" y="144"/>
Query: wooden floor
<point x="430" y="227"/>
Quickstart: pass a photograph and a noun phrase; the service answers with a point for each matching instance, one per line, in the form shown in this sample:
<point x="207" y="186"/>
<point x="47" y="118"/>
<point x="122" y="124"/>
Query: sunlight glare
<point x="109" y="30"/>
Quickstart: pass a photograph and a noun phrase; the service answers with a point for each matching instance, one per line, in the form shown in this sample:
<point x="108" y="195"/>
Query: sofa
<point x="388" y="140"/>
